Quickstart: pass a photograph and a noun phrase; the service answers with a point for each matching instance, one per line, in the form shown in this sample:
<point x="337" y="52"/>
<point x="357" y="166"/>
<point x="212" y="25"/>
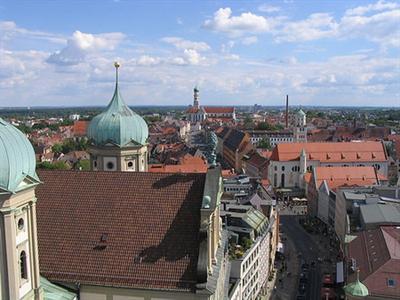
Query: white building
<point x="196" y="113"/>
<point x="290" y="162"/>
<point x="273" y="137"/>
<point x="74" y="117"/>
<point x="250" y="271"/>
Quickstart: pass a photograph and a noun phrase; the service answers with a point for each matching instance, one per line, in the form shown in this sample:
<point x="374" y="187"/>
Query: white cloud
<point x="80" y="44"/>
<point x="316" y="26"/>
<point x="378" y="6"/>
<point x="268" y="8"/>
<point x="249" y="40"/>
<point x="193" y="57"/>
<point x="232" y="57"/>
<point x="382" y="27"/>
<point x="183" y="44"/>
<point x="236" y="26"/>
<point x="9" y="30"/>
<point x="146" y="60"/>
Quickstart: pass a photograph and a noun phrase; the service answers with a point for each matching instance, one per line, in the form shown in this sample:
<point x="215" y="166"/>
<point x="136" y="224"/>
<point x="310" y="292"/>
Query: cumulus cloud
<point x="377" y="22"/>
<point x="236" y="26"/>
<point x="316" y="26"/>
<point x="183" y="44"/>
<point x="382" y="27"/>
<point x="146" y="60"/>
<point x="81" y="44"/>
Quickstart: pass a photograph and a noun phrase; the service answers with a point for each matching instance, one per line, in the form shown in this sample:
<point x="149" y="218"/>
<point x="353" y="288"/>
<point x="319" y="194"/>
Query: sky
<point x="326" y="52"/>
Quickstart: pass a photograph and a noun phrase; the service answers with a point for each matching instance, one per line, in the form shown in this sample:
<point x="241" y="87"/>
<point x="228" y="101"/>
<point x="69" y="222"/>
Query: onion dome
<point x="118" y="124"/>
<point x="17" y="160"/>
<point x="357" y="288"/>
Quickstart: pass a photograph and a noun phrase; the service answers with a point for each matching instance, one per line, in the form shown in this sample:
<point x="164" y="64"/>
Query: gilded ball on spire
<point x="117" y="64"/>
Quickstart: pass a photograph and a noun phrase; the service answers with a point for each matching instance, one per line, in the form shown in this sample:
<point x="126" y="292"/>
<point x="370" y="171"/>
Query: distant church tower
<point x="118" y="137"/>
<point x="19" y="260"/>
<point x="196" y="97"/>
<point x="300" y="127"/>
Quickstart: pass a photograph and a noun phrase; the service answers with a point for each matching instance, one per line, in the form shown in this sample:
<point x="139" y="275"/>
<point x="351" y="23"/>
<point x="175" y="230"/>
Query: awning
<point x="339" y="272"/>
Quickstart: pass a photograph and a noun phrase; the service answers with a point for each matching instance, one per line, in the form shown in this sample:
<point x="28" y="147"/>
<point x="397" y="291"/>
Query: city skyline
<point x="330" y="54"/>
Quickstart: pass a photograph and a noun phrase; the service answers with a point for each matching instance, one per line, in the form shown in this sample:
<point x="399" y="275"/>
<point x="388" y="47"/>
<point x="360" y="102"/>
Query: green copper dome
<point x="17" y="159"/>
<point x="300" y="112"/>
<point x="118" y="124"/>
<point x="357" y="288"/>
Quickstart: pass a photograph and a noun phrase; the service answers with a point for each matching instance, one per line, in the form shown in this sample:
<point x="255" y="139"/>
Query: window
<point x="110" y="165"/>
<point x="276" y="168"/>
<point x="23" y="265"/>
<point x="283" y="168"/>
<point x="21" y="224"/>
<point x="95" y="163"/>
<point x="391" y="282"/>
<point x="130" y="164"/>
<point x="377" y="166"/>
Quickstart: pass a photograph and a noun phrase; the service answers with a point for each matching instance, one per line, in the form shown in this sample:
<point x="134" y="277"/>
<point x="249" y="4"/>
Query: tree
<point x="248" y="123"/>
<point x="264" y="144"/>
<point x="59" y="165"/>
<point x="83" y="165"/>
<point x="57" y="148"/>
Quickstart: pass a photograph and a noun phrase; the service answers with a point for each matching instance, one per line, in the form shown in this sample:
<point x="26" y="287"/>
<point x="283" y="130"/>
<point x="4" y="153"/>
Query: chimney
<point x="287" y="111"/>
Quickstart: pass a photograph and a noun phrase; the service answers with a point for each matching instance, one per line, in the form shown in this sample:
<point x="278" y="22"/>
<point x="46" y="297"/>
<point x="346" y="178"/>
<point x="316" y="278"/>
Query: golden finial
<point x="117" y="64"/>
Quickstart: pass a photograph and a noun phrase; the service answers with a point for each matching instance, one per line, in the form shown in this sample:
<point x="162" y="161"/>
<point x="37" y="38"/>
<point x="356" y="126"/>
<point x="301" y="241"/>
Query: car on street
<point x="302" y="288"/>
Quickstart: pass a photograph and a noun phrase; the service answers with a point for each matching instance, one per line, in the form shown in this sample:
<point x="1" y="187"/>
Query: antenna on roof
<point x="287" y="111"/>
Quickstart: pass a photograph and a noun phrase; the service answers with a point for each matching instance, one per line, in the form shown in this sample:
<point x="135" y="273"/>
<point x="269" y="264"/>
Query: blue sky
<point x="237" y="52"/>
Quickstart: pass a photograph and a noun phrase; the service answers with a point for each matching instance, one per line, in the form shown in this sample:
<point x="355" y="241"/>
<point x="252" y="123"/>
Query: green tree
<point x="57" y="148"/>
<point x="264" y="144"/>
<point x="83" y="165"/>
<point x="59" y="165"/>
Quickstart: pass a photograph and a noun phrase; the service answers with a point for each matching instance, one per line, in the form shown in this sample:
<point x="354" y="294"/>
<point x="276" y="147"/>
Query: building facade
<point x="290" y="162"/>
<point x="196" y="113"/>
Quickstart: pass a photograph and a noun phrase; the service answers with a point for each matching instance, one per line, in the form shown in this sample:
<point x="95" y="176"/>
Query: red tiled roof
<point x="80" y="128"/>
<point x="218" y="110"/>
<point x="187" y="164"/>
<point x="346" y="176"/>
<point x="377" y="255"/>
<point x="192" y="110"/>
<point x="149" y="224"/>
<point x="331" y="152"/>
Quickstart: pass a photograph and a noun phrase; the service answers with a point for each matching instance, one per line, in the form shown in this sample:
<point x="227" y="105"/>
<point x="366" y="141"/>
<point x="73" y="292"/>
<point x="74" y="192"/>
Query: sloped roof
<point x="346" y="176"/>
<point x="218" y="109"/>
<point x="149" y="223"/>
<point x="331" y="152"/>
<point x="234" y="139"/>
<point x="380" y="214"/>
<point x="376" y="253"/>
<point x="80" y="128"/>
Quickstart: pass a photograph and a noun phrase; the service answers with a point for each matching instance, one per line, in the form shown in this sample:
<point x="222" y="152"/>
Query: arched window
<point x="23" y="265"/>
<point x="283" y="180"/>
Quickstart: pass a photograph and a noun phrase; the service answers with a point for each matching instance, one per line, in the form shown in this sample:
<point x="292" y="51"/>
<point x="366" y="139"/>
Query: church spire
<point x="196" y="97"/>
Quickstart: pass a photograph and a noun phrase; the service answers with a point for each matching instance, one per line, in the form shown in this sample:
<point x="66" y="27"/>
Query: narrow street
<point x="307" y="251"/>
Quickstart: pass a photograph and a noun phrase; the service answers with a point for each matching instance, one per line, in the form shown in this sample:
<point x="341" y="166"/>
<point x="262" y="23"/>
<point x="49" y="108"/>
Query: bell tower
<point x="118" y="137"/>
<point x="19" y="259"/>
